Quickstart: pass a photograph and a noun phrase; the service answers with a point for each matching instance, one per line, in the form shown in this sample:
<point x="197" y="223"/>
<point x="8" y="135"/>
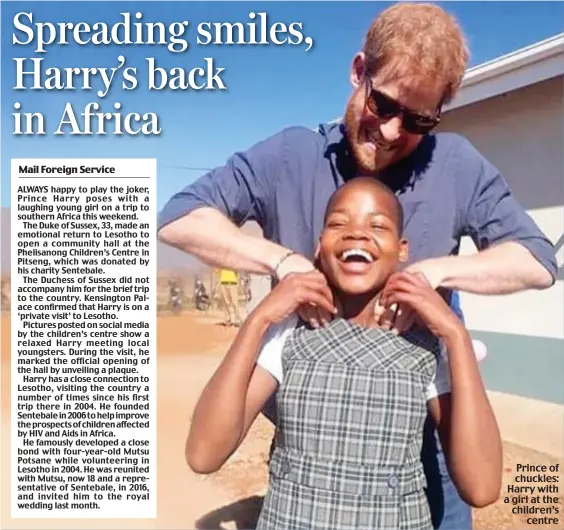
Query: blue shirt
<point x="455" y="305"/>
<point x="446" y="187"/>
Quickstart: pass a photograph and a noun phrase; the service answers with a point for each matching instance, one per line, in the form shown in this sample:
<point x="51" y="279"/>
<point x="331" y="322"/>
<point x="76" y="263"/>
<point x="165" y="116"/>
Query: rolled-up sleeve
<point x="242" y="189"/>
<point x="493" y="215"/>
<point x="455" y="305"/>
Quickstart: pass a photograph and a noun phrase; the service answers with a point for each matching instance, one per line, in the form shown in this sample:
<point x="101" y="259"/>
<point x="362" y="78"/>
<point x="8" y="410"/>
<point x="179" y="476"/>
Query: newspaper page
<point x="281" y="265"/>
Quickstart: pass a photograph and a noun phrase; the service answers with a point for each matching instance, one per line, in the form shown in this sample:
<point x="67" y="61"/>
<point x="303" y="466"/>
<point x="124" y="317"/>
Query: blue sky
<point x="269" y="87"/>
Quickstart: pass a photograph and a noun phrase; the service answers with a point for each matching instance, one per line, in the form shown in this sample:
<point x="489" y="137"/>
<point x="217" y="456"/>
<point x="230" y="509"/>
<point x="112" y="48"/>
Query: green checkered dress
<point x="351" y="409"/>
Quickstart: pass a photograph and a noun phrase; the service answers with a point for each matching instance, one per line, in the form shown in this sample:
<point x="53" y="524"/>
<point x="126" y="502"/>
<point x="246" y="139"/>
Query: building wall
<point x="522" y="134"/>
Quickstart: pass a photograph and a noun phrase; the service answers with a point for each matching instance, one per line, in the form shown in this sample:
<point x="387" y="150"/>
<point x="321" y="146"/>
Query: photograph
<point x="282" y="265"/>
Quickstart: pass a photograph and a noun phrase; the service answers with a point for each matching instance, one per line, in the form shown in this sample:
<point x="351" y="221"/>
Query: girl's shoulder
<point x="272" y="347"/>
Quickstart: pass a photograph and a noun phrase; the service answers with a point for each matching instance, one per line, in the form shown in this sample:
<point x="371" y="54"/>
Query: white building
<point x="512" y="110"/>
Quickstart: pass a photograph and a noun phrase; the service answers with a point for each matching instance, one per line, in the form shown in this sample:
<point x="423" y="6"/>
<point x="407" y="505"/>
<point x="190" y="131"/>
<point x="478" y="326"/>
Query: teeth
<point x="385" y="147"/>
<point x="357" y="252"/>
<point x="381" y="145"/>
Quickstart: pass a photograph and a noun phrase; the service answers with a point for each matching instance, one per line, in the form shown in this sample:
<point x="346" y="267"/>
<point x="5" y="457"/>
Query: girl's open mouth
<point x="355" y="260"/>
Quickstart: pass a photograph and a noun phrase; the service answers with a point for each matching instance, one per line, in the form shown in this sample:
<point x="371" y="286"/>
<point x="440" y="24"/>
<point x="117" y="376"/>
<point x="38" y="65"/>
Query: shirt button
<point x="392" y="481"/>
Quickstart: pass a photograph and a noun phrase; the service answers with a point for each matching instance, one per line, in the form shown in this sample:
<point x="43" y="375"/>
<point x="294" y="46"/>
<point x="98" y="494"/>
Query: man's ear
<point x="357" y="70"/>
<point x="403" y="251"/>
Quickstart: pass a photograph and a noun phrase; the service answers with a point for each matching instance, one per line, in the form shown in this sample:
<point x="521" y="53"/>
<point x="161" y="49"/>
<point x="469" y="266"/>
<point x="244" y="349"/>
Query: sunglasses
<point x="387" y="108"/>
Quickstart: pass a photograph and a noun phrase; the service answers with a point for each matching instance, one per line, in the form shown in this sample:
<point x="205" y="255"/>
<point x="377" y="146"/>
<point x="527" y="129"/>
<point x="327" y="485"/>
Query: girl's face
<point x="360" y="246"/>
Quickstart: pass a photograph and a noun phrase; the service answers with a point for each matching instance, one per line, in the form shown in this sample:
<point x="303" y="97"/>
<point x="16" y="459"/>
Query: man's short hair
<point x="417" y="41"/>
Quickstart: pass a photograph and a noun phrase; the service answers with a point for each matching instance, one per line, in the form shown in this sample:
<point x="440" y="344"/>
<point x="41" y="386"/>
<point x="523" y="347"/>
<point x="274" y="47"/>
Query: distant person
<point x="246" y="287"/>
<point x="201" y="298"/>
<point x="229" y="293"/>
<point x="353" y="395"/>
<point x="175" y="297"/>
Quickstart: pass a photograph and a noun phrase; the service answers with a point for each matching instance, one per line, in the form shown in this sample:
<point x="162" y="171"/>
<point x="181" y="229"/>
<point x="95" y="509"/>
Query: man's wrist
<point x="290" y="261"/>
<point x="280" y="262"/>
<point x="274" y="257"/>
<point x="446" y="271"/>
<point x="442" y="267"/>
<point x="433" y="269"/>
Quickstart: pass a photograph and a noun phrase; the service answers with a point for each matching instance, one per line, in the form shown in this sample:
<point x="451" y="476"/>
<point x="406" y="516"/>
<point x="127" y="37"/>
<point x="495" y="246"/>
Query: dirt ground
<point x="189" y="348"/>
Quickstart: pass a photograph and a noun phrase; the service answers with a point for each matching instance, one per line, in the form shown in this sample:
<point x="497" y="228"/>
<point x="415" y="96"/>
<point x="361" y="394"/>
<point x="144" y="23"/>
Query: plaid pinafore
<point x="351" y="409"/>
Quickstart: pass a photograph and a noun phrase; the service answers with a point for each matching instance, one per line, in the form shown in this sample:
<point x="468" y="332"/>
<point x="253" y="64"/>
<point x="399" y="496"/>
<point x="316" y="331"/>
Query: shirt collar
<point x="404" y="174"/>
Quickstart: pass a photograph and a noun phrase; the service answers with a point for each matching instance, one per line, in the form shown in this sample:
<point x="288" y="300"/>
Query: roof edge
<point x="515" y="59"/>
<point x="535" y="63"/>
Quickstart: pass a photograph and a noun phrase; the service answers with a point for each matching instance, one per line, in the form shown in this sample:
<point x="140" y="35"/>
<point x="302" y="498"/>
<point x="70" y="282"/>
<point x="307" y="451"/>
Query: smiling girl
<point x="353" y="397"/>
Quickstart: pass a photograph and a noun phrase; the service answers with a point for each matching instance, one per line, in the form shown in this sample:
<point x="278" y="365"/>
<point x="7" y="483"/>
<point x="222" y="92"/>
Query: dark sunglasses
<point x="387" y="108"/>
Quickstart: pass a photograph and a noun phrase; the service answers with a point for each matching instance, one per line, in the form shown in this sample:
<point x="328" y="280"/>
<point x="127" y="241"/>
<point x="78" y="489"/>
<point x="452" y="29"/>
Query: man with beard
<point x="412" y="63"/>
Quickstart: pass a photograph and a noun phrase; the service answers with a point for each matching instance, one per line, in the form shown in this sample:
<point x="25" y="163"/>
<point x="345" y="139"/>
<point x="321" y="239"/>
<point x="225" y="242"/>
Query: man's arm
<point x="204" y="218"/>
<point x="504" y="269"/>
<point x="210" y="236"/>
<point x="514" y="254"/>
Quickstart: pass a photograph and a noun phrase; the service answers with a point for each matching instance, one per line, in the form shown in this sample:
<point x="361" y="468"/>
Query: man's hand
<point x="314" y="315"/>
